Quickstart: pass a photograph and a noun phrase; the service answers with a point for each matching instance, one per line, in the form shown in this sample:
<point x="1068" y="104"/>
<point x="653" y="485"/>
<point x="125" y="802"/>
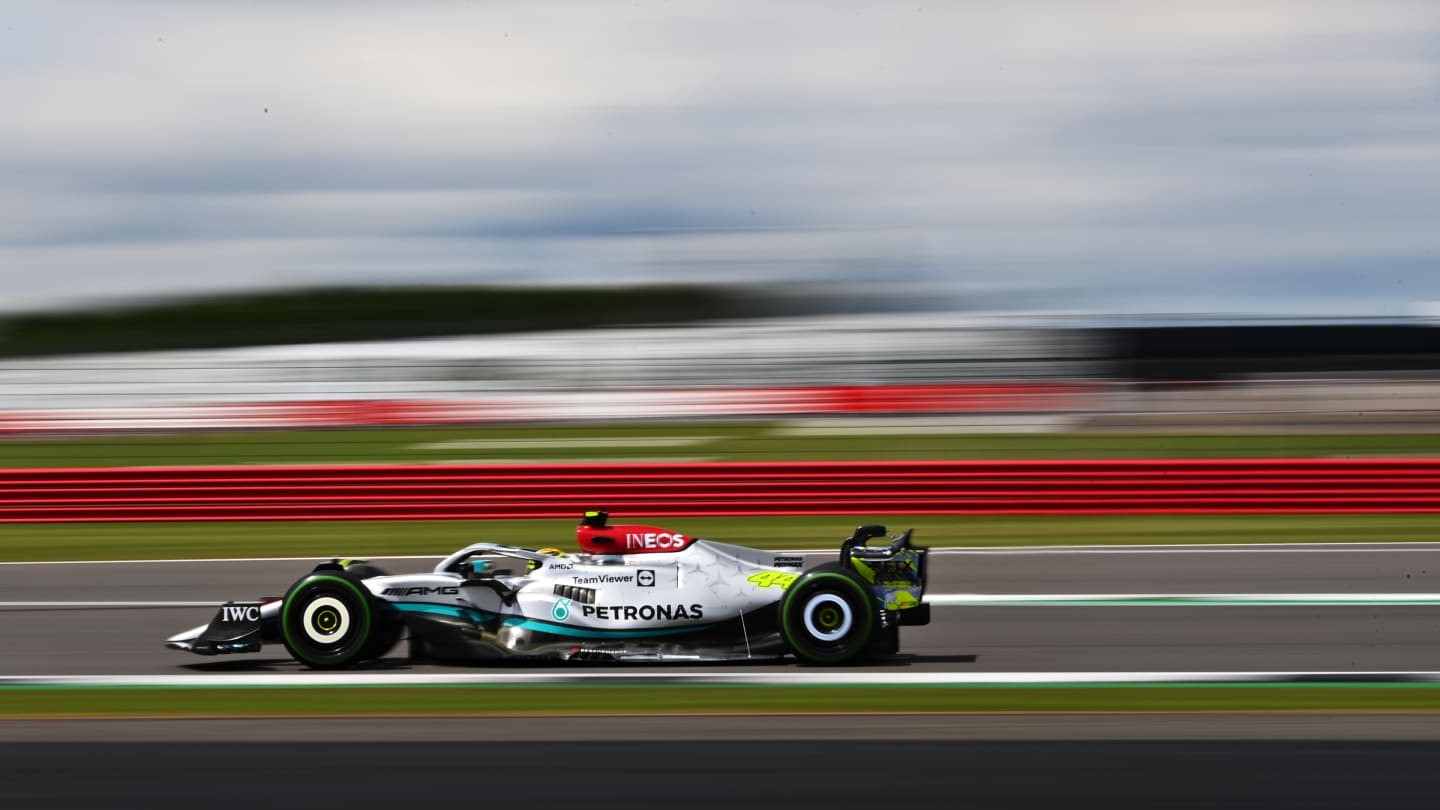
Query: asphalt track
<point x="978" y="760"/>
<point x="723" y="774"/>
<point x="1299" y="637"/>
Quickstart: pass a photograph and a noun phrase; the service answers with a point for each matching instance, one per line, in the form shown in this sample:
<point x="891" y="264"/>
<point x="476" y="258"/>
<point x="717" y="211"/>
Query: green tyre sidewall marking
<point x="298" y="650"/>
<point x="867" y="609"/>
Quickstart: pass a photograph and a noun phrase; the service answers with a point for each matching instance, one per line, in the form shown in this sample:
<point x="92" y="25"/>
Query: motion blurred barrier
<point x="453" y="492"/>
<point x="568" y="405"/>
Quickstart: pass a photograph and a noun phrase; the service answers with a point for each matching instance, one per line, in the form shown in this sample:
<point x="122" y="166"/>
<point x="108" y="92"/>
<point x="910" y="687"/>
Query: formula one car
<point x="633" y="593"/>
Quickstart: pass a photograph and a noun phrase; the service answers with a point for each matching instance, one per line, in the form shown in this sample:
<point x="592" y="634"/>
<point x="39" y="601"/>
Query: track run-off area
<point x="1097" y="614"/>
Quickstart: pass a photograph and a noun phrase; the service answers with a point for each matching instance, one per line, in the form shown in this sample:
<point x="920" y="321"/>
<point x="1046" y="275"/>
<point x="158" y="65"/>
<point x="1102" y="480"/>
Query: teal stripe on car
<point x="585" y="632"/>
<point x="455" y="611"/>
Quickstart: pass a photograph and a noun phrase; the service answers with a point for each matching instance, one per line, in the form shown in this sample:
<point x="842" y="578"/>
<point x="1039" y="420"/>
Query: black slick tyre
<point x="328" y="621"/>
<point x="828" y="617"/>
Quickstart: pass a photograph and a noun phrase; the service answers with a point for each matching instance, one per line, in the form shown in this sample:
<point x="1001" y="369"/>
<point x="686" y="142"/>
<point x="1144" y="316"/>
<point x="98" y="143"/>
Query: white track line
<point x="1178" y="548"/>
<point x="1206" y="548"/>
<point x="58" y="605"/>
<point x="709" y="678"/>
<point x="187" y="561"/>
<point x="1180" y="599"/>
<point x="982" y="600"/>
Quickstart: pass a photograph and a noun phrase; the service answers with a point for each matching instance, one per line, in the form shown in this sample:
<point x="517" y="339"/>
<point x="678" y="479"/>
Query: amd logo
<point x="654" y="540"/>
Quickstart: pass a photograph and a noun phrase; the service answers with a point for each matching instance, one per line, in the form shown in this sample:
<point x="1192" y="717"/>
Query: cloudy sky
<point x="1147" y="156"/>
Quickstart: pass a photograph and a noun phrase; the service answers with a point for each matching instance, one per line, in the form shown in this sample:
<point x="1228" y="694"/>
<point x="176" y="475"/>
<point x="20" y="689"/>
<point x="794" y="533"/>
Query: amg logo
<point x="240" y="613"/>
<point x="654" y="540"/>
<point x="421" y="590"/>
<point x="645" y="613"/>
<point x="605" y="579"/>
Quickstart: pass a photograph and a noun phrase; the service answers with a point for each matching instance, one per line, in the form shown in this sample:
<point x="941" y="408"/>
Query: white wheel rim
<point x="314" y="631"/>
<point x="846" y="617"/>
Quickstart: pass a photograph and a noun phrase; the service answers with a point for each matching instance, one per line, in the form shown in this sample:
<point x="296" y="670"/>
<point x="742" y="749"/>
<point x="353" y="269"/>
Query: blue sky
<point x="1123" y="157"/>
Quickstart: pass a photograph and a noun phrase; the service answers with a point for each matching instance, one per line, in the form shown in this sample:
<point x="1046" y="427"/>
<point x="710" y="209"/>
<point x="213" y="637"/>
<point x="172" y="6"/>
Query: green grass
<point x="113" y="541"/>
<point x="20" y="701"/>
<point x="381" y="313"/>
<point x="721" y="442"/>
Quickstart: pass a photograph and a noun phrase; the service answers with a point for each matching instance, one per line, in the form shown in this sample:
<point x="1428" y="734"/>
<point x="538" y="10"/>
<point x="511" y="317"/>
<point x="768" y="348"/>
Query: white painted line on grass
<point x="1005" y="423"/>
<point x="672" y="677"/>
<point x="578" y="460"/>
<point x="579" y="443"/>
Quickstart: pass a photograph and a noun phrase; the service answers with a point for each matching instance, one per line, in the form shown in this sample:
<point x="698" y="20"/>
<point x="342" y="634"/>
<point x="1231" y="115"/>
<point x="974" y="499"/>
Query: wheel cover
<point x="326" y="620"/>
<point x="828" y="617"/>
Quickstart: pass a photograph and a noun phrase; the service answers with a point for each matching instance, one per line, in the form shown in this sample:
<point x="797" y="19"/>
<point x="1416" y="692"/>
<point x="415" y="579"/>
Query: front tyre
<point x="828" y="616"/>
<point x="327" y="621"/>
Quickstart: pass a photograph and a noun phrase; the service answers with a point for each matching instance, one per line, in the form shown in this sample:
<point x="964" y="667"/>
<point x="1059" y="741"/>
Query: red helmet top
<point x="598" y="538"/>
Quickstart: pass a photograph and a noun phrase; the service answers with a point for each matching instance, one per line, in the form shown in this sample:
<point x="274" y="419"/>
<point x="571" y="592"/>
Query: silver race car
<point x="633" y="593"/>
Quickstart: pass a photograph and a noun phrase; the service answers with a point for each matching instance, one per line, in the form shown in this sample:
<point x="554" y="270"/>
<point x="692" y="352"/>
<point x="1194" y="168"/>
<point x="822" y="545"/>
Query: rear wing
<point x="896" y="571"/>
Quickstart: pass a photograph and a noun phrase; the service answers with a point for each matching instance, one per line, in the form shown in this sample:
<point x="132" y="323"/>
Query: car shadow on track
<point x="909" y="660"/>
<point x="244" y="665"/>
<point x="406" y="664"/>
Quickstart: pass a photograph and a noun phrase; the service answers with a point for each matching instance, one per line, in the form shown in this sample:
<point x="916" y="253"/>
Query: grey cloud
<point x="1265" y="155"/>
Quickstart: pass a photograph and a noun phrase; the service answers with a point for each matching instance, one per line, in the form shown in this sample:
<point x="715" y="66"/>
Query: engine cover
<point x="630" y="539"/>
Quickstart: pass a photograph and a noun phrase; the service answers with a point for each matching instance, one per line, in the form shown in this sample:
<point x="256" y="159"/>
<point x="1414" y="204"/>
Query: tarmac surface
<point x="991" y="760"/>
<point x="720" y="774"/>
<point x="1010" y="638"/>
<point x="1019" y="726"/>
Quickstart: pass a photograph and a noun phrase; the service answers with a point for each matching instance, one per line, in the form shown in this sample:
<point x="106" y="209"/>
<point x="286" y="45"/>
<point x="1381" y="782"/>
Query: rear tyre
<point x="828" y="616"/>
<point x="328" y="621"/>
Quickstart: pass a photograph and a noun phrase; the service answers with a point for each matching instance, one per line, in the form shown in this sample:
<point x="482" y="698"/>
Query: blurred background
<point x="1097" y="219"/>
<point x="795" y="378"/>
